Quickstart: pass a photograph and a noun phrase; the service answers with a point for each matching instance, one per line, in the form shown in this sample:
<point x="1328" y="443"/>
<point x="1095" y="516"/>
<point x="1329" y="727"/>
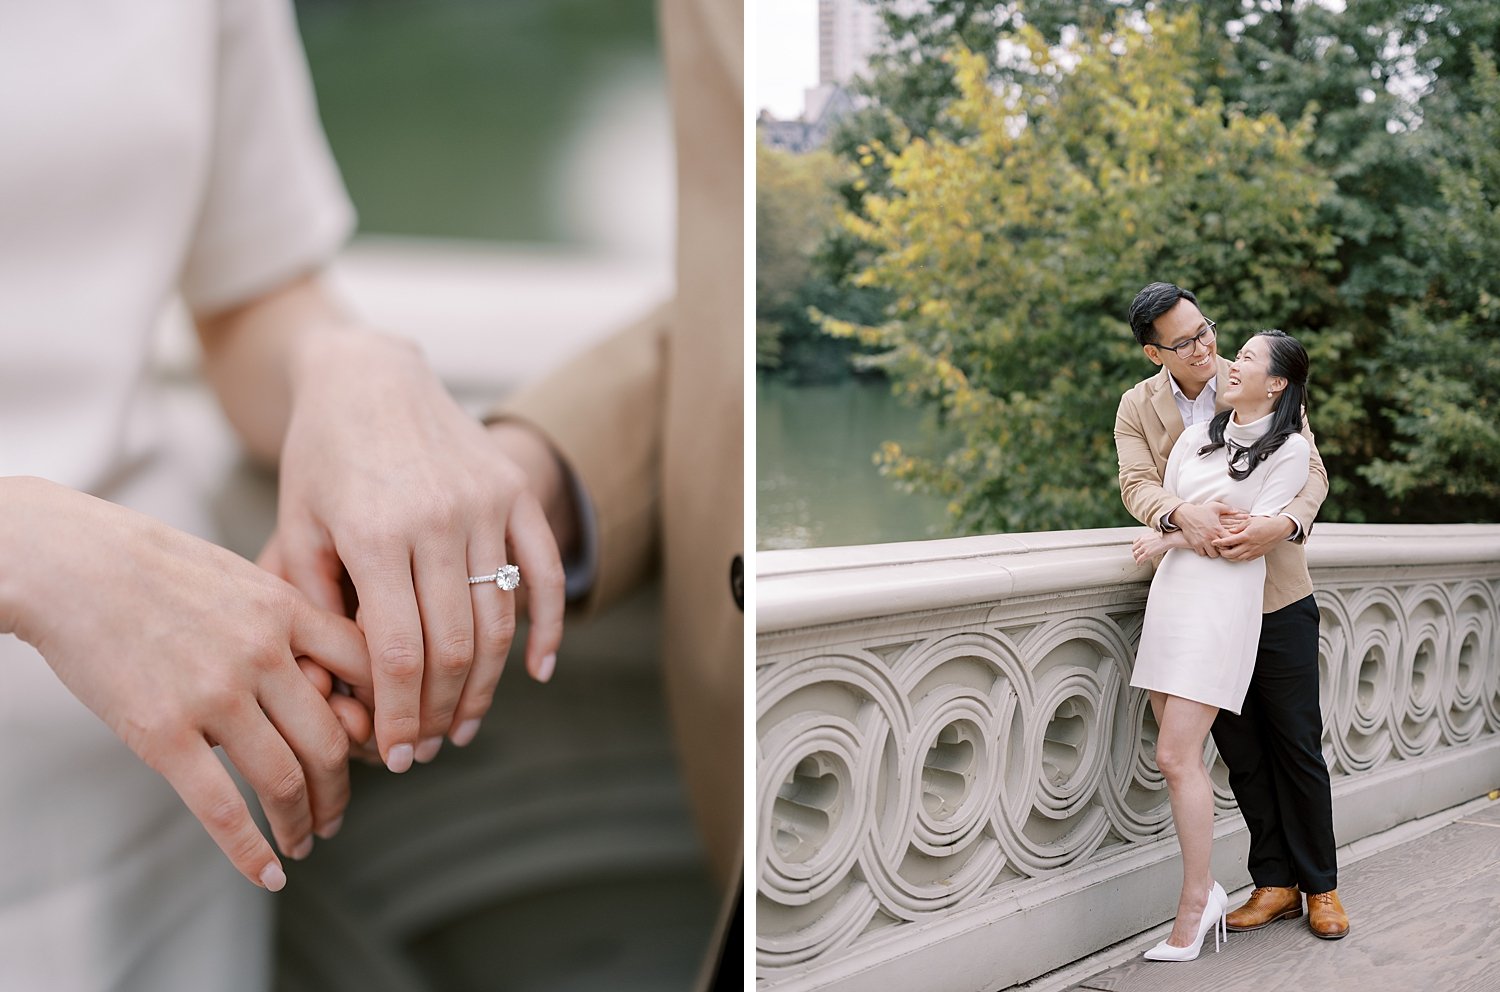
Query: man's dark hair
<point x="1150" y="303"/>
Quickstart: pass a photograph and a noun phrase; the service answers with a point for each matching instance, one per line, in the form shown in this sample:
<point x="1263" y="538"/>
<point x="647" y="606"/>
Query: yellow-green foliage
<point x="1011" y="254"/>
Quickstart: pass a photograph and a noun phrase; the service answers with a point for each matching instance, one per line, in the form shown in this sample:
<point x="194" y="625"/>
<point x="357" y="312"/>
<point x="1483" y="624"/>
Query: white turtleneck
<point x="1243" y="435"/>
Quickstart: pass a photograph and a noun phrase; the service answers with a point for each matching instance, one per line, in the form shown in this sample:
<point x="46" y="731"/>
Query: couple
<point x="1215" y="457"/>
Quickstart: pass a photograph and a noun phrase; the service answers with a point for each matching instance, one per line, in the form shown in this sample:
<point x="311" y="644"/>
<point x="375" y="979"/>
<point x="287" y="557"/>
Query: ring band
<point x="507" y="577"/>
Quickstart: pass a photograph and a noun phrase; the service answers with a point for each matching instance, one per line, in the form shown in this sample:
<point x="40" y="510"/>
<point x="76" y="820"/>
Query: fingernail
<point x="428" y="749"/>
<point x="272" y="877"/>
<point x="399" y="759"/>
<point x="302" y="850"/>
<point x="465" y="733"/>
<point x="330" y="828"/>
<point x="544" y="670"/>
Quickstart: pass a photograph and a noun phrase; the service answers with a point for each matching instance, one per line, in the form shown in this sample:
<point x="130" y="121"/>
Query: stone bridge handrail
<point x="952" y="771"/>
<point x="829" y="585"/>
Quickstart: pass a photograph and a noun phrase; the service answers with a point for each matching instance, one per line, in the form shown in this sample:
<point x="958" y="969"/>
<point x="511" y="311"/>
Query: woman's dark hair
<point x="1288" y="360"/>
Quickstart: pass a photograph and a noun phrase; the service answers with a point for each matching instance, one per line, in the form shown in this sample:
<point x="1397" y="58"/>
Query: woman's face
<point x="1250" y="373"/>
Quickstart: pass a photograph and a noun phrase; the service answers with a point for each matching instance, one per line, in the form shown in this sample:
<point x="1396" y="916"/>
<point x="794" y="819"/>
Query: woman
<point x="1197" y="649"/>
<point x="175" y="151"/>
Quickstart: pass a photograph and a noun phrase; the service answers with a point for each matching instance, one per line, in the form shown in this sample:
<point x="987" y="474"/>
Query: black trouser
<point x="1274" y="750"/>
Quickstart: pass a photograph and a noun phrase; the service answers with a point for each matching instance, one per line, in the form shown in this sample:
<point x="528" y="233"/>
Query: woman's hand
<point x="179" y="645"/>
<point x="1153" y="544"/>
<point x="383" y="476"/>
<point x="1147" y="547"/>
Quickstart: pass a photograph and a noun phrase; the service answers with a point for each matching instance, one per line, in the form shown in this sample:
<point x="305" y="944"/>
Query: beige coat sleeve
<point x="1140" y="468"/>
<point x="602" y="412"/>
<point x="1304" y="506"/>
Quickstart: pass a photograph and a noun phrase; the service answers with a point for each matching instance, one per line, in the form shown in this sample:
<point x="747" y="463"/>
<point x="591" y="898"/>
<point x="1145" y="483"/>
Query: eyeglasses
<point x="1186" y="348"/>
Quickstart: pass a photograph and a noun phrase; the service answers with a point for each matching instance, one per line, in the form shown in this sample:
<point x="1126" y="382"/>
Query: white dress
<point x="1202" y="621"/>
<point x="149" y="150"/>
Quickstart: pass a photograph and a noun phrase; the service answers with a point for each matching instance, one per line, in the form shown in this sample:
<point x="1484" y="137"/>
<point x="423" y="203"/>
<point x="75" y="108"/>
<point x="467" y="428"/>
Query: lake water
<point x="817" y="484"/>
<point x="497" y="121"/>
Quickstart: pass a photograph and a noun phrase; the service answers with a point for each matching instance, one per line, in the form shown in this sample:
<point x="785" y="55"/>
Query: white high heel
<point x="1213" y="916"/>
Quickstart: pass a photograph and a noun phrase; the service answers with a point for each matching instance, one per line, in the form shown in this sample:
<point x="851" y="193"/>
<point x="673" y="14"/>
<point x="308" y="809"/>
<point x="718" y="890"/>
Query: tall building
<point x="848" y="33"/>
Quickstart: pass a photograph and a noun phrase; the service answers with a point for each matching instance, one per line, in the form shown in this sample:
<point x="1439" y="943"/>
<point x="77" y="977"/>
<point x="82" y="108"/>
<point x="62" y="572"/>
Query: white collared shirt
<point x="1195" y="411"/>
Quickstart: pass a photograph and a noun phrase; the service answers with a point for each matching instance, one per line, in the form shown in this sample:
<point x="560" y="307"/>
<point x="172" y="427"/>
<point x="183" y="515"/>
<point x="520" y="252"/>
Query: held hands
<point x="187" y="646"/>
<point x="1245" y="537"/>
<point x="385" y="477"/>
<point x="1201" y="525"/>
<point x="184" y="645"/>
<point x="1250" y="537"/>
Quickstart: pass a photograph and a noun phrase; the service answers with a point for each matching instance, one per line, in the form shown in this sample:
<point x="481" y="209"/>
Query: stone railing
<point x="955" y="784"/>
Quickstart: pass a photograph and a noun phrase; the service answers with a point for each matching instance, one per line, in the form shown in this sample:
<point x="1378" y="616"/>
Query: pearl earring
<point x="1269" y="394"/>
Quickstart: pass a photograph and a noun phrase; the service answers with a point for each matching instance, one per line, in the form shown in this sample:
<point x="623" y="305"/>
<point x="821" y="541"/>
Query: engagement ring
<point x="507" y="577"/>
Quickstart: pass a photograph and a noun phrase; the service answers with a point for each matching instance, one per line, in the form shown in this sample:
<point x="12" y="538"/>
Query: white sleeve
<point x="1285" y="475"/>
<point x="274" y="206"/>
<point x="1186" y="445"/>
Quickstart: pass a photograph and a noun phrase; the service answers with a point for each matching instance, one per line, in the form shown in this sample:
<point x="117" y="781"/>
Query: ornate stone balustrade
<point x="955" y="784"/>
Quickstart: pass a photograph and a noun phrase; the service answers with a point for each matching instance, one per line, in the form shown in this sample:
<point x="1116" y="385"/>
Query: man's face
<point x="1195" y="364"/>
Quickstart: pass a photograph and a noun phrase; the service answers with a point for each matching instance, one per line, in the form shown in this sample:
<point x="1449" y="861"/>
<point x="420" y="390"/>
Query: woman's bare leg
<point x="1183" y="726"/>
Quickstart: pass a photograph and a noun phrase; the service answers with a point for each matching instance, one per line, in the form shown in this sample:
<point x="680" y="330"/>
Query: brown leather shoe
<point x="1325" y="915"/>
<point x="1265" y="906"/>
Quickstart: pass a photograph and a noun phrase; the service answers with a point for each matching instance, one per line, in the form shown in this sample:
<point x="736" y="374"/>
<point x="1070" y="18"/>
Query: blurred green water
<point x="449" y="118"/>
<point x="816" y="481"/>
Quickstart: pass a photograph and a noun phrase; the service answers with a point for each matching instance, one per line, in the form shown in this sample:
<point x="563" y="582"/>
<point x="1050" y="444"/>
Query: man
<point x="649" y="425"/>
<point x="1274" y="746"/>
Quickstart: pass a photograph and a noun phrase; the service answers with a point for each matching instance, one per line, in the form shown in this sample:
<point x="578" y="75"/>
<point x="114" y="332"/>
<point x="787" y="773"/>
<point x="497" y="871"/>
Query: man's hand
<point x="1250" y="537"/>
<point x="1200" y="525"/>
<point x="182" y="646"/>
<point x="524" y="447"/>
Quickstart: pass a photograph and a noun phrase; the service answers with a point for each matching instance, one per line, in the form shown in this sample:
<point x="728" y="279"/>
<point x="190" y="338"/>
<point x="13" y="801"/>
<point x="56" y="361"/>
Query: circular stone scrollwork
<point x="1416" y="732"/>
<point x="1472" y="642"/>
<point x="808" y="805"/>
<point x="1064" y="812"/>
<point x="965" y="692"/>
<point x="1335" y="684"/>
<point x="956" y="779"/>
<point x="1072" y="753"/>
<point x="1475" y="695"/>
<point x="1376" y="635"/>
<point x="826" y="729"/>
<point x="812" y="820"/>
<point x="1424" y="670"/>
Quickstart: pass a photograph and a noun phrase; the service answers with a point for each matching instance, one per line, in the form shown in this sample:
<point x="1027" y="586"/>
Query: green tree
<point x="1385" y="81"/>
<point x="1009" y="251"/>
<point x="1443" y="391"/>
<point x="796" y="206"/>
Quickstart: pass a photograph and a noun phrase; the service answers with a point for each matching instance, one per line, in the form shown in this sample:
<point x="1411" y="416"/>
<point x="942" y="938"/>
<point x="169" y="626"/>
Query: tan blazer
<point x="1148" y="424"/>
<point x="652" y="423"/>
